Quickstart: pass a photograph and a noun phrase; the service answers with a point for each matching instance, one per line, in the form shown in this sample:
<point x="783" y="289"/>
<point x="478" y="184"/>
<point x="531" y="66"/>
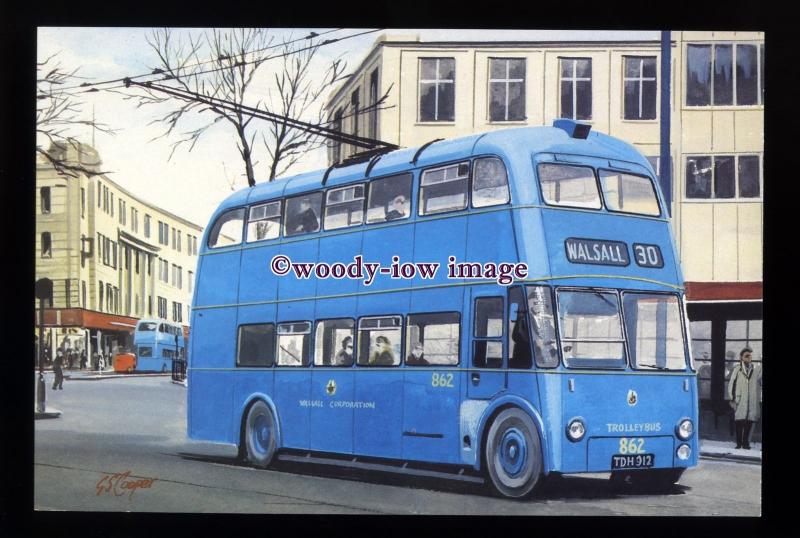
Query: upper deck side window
<point x="489" y="182"/>
<point x="228" y="229"/>
<point x="264" y="221"/>
<point x="389" y="198"/>
<point x="629" y="193"/>
<point x="444" y="188"/>
<point x="568" y="185"/>
<point x="303" y="214"/>
<point x="344" y="207"/>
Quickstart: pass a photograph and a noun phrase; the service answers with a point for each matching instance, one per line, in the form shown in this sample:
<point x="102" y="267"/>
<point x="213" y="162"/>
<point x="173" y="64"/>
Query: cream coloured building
<point x="113" y="258"/>
<point x="449" y="89"/>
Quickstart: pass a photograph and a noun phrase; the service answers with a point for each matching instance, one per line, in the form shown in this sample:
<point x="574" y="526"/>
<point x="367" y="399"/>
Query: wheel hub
<point x="261" y="434"/>
<point x="513" y="452"/>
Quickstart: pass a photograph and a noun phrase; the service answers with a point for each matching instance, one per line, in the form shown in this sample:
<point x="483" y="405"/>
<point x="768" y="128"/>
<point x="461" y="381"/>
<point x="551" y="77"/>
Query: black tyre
<point x="259" y="435"/>
<point x="647" y="479"/>
<point x="513" y="454"/>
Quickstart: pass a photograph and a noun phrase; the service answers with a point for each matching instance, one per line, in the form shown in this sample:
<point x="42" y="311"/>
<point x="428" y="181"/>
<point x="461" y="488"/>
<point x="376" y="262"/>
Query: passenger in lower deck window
<point x="383" y="355"/>
<point x="345" y="355"/>
<point x="417" y="356"/>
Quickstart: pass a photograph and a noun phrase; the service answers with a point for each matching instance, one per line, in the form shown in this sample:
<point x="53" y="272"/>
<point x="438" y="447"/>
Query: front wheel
<point x="259" y="435"/>
<point x="513" y="454"/>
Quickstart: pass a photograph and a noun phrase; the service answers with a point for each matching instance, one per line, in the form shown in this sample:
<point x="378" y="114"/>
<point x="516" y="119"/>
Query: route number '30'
<point x="634" y="445"/>
<point x="441" y="380"/>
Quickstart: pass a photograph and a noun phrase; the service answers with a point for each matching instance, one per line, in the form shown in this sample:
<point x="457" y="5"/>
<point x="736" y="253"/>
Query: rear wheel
<point x="513" y="454"/>
<point x="259" y="435"/>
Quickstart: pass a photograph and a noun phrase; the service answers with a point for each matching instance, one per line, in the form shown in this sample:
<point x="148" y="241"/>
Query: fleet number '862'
<point x="633" y="445"/>
<point x="441" y="380"/>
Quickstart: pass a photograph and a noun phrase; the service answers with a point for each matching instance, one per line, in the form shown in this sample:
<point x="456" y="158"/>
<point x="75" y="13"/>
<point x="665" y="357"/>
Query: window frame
<point x="737" y="198"/>
<point x="408" y="316"/>
<point x="49" y="197"/>
<point x="303" y="362"/>
<point x="472" y="182"/>
<point x="271" y="348"/>
<point x="641" y="79"/>
<point x="409" y="198"/>
<point x="365" y="195"/>
<point x="316" y="325"/>
<point x="221" y="215"/>
<point x="685" y="337"/>
<point x="502" y="338"/>
<point x="436" y="82"/>
<point x="624" y="338"/>
<point x="285" y="215"/>
<point x="467" y="180"/>
<point x="760" y="53"/>
<point x="247" y="240"/>
<point x="507" y="82"/>
<point x="650" y="180"/>
<point x="598" y="186"/>
<point x="401" y="327"/>
<point x="574" y="84"/>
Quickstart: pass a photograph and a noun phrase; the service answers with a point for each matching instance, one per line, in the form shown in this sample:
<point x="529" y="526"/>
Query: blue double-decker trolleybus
<point x="575" y="362"/>
<point x="156" y="343"/>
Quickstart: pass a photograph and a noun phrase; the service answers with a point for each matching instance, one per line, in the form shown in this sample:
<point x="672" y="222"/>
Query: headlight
<point x="684" y="451"/>
<point x="684" y="429"/>
<point x="576" y="430"/>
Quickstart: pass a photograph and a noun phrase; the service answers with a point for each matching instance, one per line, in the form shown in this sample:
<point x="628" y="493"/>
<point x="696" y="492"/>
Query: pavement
<point x="709" y="449"/>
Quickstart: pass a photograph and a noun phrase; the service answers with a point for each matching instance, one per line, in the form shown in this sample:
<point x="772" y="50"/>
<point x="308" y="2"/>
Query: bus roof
<point x="530" y="140"/>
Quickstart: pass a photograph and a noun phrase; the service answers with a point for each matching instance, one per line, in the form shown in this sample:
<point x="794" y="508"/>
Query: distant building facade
<point x="449" y="89"/>
<point x="113" y="258"/>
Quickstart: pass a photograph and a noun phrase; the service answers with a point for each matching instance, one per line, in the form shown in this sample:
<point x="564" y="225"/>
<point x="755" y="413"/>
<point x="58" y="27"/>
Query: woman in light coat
<point x="743" y="387"/>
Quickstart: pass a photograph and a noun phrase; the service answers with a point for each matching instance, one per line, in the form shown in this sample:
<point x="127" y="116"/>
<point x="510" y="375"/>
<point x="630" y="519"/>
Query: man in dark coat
<point x="58" y="370"/>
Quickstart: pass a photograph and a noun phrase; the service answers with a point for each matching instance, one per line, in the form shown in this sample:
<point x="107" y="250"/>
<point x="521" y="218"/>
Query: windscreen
<point x="590" y="329"/>
<point x="655" y="331"/>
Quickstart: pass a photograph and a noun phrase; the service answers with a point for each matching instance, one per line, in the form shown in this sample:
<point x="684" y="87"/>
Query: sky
<point x="192" y="184"/>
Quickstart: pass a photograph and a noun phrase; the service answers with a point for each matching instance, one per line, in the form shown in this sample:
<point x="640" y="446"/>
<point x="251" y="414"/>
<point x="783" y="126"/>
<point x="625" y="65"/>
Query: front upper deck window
<point x="147" y="326"/>
<point x="489" y="182"/>
<point x="655" y="333"/>
<point x="227" y="230"/>
<point x="568" y="185"/>
<point x="444" y="188"/>
<point x="264" y="222"/>
<point x="344" y="207"/>
<point x="628" y="193"/>
<point x="389" y="199"/>
<point x="591" y="329"/>
<point x="303" y="214"/>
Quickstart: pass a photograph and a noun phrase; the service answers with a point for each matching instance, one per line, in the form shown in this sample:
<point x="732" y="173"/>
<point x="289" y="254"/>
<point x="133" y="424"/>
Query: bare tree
<point x="238" y="54"/>
<point x="58" y="114"/>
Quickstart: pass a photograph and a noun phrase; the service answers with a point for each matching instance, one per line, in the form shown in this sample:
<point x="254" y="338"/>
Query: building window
<point x="373" y="103"/>
<point x="178" y="248"/>
<point x="576" y="88"/>
<point x="180" y="277"/>
<point x="146" y="225"/>
<point x="44" y="194"/>
<point x="111" y="204"/>
<point x="724" y="75"/>
<point x="723" y="176"/>
<point x="437" y="77"/>
<point x="194" y="246"/>
<point x="100" y="301"/>
<point x="47" y="246"/>
<point x="99" y="194"/>
<point x="506" y="89"/>
<point x="136" y="260"/>
<point x="162" y="308"/>
<point x="83" y="203"/>
<point x="83" y="294"/>
<point x="337" y="146"/>
<point x="640" y="88"/>
<point x="190" y="281"/>
<point x="149" y="305"/>
<point x="122" y="212"/>
<point x="177" y="312"/>
<point x="174" y="242"/>
<point x="355" y="104"/>
<point x="134" y="220"/>
<point x="738" y="335"/>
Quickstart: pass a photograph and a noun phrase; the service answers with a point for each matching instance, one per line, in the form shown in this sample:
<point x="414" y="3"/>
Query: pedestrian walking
<point x="57" y="368"/>
<point x="743" y="388"/>
<point x="83" y="359"/>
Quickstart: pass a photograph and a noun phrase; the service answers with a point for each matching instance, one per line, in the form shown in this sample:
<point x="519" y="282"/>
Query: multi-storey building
<point x="448" y="89"/>
<point x="113" y="258"/>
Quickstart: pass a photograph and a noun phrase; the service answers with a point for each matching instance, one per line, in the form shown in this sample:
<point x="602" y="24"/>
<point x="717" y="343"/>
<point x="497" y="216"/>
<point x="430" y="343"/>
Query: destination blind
<point x="596" y="251"/>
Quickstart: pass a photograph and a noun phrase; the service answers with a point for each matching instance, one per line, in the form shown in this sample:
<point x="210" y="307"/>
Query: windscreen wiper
<point x="653" y="366"/>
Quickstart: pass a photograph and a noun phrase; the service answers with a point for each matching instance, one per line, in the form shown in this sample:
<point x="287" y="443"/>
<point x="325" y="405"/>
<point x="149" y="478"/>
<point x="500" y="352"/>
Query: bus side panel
<point x="379" y="245"/>
<point x="217" y="280"/>
<point x="211" y="401"/>
<point x="491" y="238"/>
<point x="378" y="400"/>
<point x="550" y="396"/>
<point x="214" y="338"/>
<point x="257" y="281"/>
<point x="340" y="248"/>
<point x="532" y="242"/>
<point x="436" y="240"/>
<point x="431" y="398"/>
<point x="291" y="287"/>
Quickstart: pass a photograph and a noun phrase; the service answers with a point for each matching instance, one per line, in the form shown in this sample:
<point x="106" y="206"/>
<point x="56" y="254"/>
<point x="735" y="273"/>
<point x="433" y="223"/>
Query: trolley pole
<point x="44" y="289"/>
<point x="664" y="168"/>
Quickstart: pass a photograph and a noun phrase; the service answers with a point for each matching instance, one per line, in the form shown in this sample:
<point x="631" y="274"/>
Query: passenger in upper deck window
<point x="383" y="355"/>
<point x="417" y="356"/>
<point x="305" y="220"/>
<point x="398" y="208"/>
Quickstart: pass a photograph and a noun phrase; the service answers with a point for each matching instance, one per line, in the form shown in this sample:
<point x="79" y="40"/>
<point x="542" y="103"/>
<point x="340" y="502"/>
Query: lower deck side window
<point x="294" y="340"/>
<point x="379" y="341"/>
<point x="256" y="345"/>
<point x="432" y="339"/>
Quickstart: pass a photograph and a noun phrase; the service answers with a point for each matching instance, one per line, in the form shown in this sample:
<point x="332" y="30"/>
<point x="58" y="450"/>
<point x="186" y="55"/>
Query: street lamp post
<point x="44" y="290"/>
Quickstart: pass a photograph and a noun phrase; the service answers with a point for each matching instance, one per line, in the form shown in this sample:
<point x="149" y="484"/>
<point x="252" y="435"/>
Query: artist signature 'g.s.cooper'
<point x="121" y="483"/>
